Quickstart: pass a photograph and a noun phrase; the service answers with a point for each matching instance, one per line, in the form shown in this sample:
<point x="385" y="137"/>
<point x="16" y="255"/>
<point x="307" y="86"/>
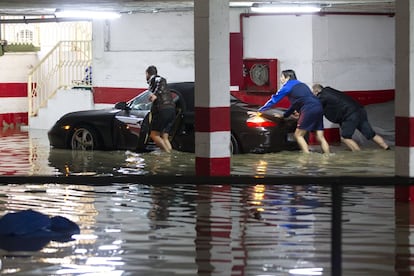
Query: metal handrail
<point x="67" y="65"/>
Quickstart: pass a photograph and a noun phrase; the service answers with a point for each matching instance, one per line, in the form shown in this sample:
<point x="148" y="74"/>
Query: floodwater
<point x="136" y="229"/>
<point x="27" y="153"/>
<point x="187" y="229"/>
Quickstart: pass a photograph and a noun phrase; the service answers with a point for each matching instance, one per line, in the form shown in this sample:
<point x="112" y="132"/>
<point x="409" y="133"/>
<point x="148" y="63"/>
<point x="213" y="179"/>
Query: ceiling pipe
<point x="41" y="20"/>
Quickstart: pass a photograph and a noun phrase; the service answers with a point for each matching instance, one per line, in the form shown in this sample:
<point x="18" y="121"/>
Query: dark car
<point x="126" y="126"/>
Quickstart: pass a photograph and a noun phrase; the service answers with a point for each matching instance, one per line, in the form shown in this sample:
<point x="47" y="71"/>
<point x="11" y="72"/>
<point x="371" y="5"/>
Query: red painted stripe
<point x="373" y="96"/>
<point x="13" y="89"/>
<point x="111" y="95"/>
<point x="115" y="94"/>
<point x="210" y="119"/>
<point x="404" y="131"/>
<point x="258" y="98"/>
<point x="14" y="118"/>
<point x="212" y="166"/>
<point x="363" y="97"/>
<point x="404" y="193"/>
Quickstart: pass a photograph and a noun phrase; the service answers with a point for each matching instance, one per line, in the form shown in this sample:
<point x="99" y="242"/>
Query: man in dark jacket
<point x="349" y="114"/>
<point x="163" y="108"/>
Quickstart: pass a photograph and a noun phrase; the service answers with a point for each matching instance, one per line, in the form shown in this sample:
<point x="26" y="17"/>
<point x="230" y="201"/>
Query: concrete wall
<point x="354" y="52"/>
<point x="125" y="47"/>
<point x="14" y="67"/>
<point x="351" y="52"/>
<point x="284" y="37"/>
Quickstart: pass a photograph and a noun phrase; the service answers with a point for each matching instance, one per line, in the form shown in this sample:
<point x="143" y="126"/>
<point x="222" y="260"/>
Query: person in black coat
<point x="349" y="114"/>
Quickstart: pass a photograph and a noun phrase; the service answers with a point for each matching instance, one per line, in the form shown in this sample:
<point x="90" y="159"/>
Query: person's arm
<point x="275" y="98"/>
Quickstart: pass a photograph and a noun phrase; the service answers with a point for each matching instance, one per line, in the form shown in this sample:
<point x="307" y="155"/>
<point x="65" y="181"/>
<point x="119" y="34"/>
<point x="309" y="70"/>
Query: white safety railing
<point x="67" y="65"/>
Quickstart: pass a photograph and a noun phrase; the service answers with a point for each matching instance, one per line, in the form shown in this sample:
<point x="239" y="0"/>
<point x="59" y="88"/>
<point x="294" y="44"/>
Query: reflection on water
<point x="28" y="153"/>
<point x="370" y="161"/>
<point x="209" y="230"/>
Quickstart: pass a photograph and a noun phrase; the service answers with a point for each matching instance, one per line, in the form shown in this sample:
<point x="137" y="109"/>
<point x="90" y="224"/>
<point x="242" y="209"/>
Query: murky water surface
<point x="137" y="229"/>
<point x="133" y="229"/>
<point x="28" y="153"/>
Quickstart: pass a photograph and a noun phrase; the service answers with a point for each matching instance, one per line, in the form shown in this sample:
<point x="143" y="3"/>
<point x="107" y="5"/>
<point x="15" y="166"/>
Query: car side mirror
<point x="121" y="105"/>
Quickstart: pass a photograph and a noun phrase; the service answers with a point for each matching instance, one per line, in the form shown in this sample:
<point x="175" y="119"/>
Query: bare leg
<point x="300" y="139"/>
<point x="351" y="144"/>
<point x="380" y="141"/>
<point x="156" y="137"/>
<point x="321" y="139"/>
<point x="167" y="142"/>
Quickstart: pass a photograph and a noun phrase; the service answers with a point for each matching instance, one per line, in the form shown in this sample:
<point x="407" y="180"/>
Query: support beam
<point x="212" y="82"/>
<point x="404" y="89"/>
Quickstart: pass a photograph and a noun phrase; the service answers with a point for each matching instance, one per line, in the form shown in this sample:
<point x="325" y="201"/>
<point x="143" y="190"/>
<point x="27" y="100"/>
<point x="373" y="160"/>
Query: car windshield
<point x="141" y="102"/>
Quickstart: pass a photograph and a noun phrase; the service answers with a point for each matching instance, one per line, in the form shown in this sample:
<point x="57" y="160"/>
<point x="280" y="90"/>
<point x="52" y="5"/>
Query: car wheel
<point x="84" y="138"/>
<point x="234" y="146"/>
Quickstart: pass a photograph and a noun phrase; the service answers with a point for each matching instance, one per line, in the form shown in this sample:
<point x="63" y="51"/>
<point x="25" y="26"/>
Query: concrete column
<point x="404" y="89"/>
<point x="212" y="84"/>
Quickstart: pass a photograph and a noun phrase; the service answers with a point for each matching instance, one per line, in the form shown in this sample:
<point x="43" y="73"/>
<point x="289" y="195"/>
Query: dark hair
<point x="152" y="70"/>
<point x="289" y="74"/>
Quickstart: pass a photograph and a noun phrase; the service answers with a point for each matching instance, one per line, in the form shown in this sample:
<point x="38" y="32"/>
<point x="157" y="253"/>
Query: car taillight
<point x="258" y="121"/>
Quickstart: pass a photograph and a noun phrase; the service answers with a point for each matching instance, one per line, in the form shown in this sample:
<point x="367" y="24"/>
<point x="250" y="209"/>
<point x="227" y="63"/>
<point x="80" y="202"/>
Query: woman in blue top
<point x="306" y="104"/>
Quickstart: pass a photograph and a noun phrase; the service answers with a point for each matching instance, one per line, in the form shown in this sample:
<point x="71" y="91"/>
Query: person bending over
<point x="349" y="114"/>
<point x="306" y="104"/>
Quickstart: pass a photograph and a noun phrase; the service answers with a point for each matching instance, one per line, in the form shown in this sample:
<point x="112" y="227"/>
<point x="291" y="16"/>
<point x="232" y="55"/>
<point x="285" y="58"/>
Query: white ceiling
<point x="45" y="7"/>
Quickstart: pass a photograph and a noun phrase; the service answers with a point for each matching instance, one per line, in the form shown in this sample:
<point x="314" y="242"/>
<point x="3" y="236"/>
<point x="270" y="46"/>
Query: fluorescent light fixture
<point x="285" y="8"/>
<point x="87" y="14"/>
<point x="306" y="271"/>
<point x="241" y="4"/>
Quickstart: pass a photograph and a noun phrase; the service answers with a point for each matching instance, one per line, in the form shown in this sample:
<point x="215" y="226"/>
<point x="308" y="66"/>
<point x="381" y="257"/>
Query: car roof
<point x="186" y="89"/>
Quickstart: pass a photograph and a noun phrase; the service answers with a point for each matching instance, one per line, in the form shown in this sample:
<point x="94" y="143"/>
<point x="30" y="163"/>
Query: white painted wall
<point x="14" y="67"/>
<point x="349" y="52"/>
<point x="284" y="37"/>
<point x="125" y="47"/>
<point x="353" y="52"/>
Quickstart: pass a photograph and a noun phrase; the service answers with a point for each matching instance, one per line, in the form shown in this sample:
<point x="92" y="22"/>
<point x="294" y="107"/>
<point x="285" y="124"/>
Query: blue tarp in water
<point x="29" y="230"/>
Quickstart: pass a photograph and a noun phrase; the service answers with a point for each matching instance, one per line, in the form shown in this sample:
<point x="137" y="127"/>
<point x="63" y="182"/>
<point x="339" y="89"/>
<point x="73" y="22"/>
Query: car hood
<point x="101" y="113"/>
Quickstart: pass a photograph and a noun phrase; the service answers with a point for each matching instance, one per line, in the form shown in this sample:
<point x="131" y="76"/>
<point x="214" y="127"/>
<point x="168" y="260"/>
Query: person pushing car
<point x="306" y="104"/>
<point x="349" y="114"/>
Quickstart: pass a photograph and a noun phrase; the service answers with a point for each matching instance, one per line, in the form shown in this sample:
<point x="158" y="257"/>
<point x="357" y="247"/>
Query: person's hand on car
<point x="253" y="113"/>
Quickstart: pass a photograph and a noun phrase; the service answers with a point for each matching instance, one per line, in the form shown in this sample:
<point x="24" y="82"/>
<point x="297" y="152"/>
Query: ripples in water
<point x="28" y="153"/>
<point x="209" y="230"/>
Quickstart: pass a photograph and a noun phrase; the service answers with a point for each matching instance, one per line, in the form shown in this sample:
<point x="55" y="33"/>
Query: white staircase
<point x="64" y="101"/>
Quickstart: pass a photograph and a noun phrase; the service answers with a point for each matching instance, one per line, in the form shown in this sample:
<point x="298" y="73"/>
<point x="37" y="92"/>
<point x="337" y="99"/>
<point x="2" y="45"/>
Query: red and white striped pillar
<point x="404" y="89"/>
<point x="212" y="82"/>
